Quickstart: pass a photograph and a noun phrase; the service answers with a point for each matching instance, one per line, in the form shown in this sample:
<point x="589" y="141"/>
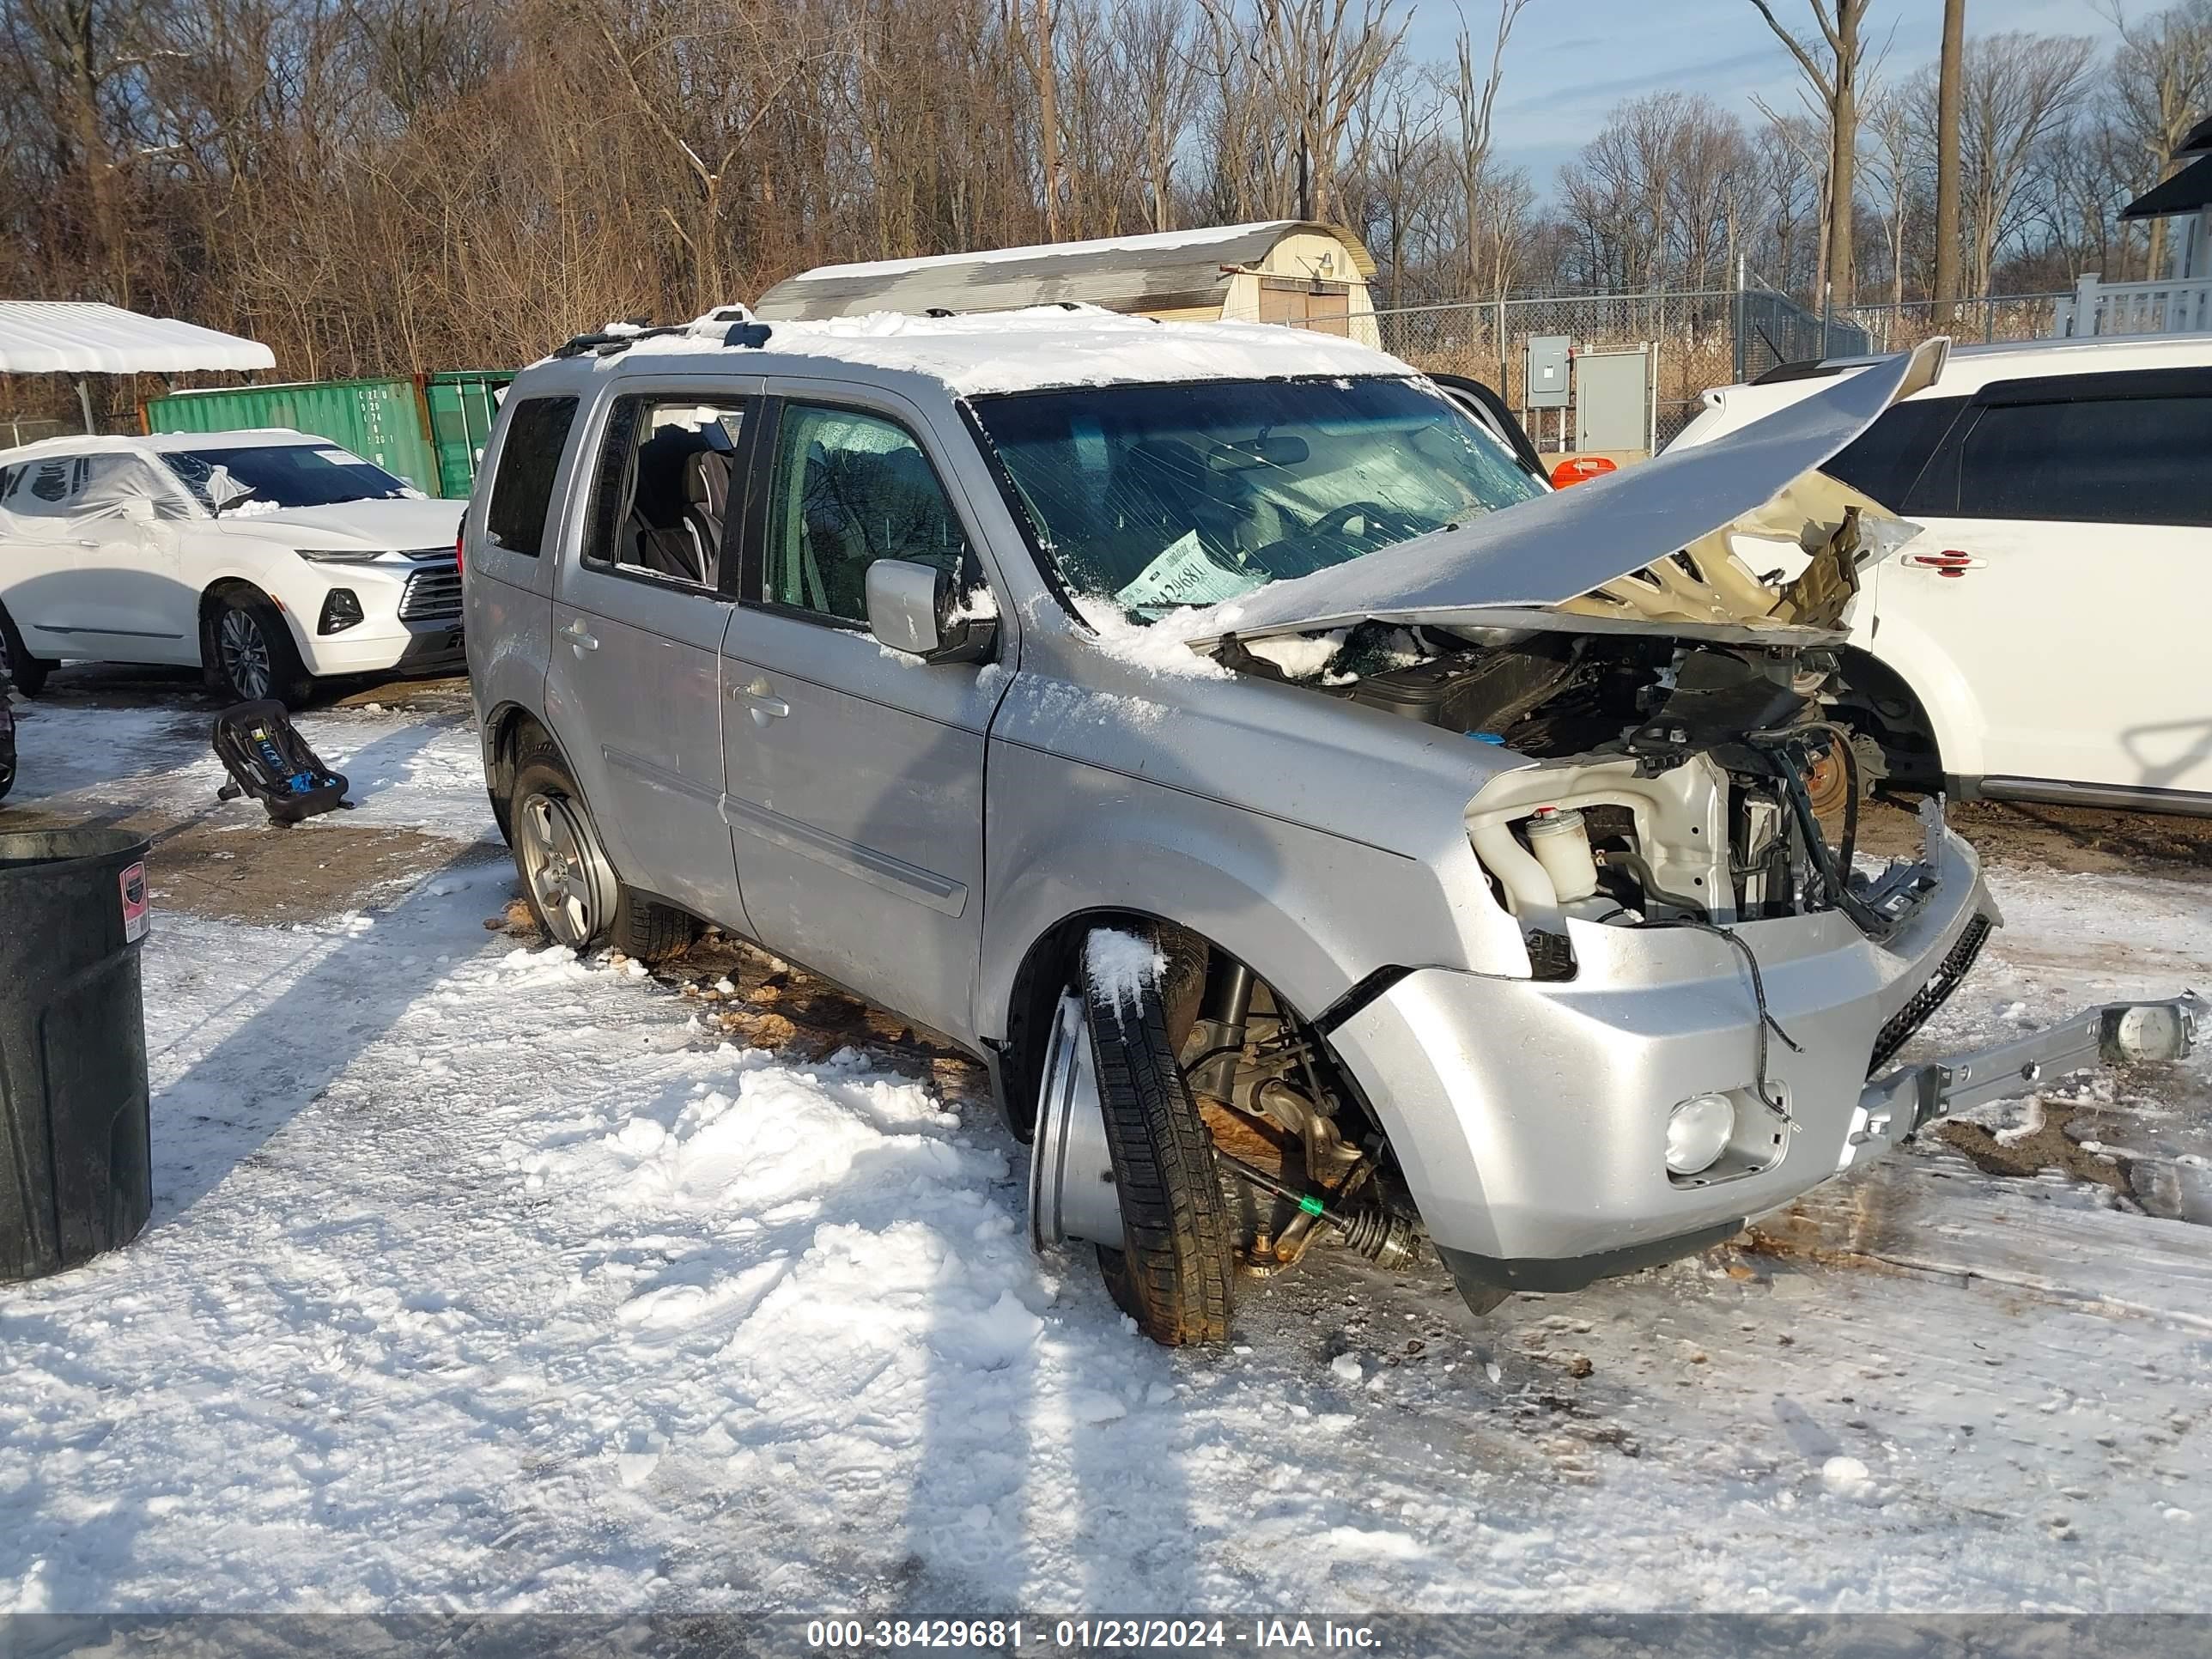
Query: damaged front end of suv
<point x="1669" y="992"/>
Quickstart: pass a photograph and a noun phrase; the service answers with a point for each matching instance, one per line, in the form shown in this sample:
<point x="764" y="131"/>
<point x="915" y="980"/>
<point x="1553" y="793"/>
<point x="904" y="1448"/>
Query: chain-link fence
<point x="1698" y="340"/>
<point x="14" y="432"/>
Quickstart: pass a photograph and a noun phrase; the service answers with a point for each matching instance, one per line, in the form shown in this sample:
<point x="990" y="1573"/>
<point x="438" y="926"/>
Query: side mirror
<point x="138" y="509"/>
<point x="915" y="608"/>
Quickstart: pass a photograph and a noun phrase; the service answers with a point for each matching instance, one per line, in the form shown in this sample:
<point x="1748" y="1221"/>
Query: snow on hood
<point x="407" y="523"/>
<point x="1556" y="548"/>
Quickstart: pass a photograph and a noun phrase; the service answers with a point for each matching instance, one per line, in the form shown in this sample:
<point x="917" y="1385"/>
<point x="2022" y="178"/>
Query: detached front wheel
<point x="1110" y="1073"/>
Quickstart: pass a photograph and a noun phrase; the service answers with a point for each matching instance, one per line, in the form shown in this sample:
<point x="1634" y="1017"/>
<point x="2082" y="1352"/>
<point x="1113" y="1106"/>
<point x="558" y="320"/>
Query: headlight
<point x="1697" y="1133"/>
<point x="340" y="555"/>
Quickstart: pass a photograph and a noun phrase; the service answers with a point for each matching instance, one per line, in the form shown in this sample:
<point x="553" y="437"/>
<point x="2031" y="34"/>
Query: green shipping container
<point x="379" y="420"/>
<point x="462" y="403"/>
<point x="430" y="430"/>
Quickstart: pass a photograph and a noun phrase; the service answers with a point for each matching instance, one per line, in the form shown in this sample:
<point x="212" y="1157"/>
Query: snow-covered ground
<point x="481" y="1278"/>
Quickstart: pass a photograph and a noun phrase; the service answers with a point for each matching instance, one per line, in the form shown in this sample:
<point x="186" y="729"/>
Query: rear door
<point x="2067" y="531"/>
<point x="638" y="620"/>
<point x="854" y="772"/>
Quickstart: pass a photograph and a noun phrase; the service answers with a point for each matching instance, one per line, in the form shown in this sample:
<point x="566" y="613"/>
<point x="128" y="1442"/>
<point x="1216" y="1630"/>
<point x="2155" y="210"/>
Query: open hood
<point x="1582" y="549"/>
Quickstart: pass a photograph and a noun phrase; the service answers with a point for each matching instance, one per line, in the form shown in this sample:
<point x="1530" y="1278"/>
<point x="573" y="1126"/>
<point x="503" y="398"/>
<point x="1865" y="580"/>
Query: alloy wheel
<point x="245" y="654"/>
<point x="561" y="863"/>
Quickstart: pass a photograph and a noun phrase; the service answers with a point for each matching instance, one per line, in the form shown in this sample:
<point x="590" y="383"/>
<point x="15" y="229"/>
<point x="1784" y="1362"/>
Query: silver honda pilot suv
<point x="1321" y="830"/>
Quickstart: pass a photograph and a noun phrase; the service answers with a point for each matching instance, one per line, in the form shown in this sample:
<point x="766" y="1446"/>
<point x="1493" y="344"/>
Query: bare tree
<point x="1895" y="165"/>
<point x="2162" y="77"/>
<point x="1950" y="72"/>
<point x="1474" y="102"/>
<point x="1315" y="62"/>
<point x="1831" y="66"/>
<point x="2017" y="91"/>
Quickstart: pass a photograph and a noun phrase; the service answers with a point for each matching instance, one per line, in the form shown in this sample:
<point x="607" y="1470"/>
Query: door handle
<point x="577" y="634"/>
<point x="1950" y="562"/>
<point x="766" y="705"/>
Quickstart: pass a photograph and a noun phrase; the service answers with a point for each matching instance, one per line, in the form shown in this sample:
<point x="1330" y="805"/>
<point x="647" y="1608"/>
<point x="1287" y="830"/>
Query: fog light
<point x="341" y="611"/>
<point x="1697" y="1133"/>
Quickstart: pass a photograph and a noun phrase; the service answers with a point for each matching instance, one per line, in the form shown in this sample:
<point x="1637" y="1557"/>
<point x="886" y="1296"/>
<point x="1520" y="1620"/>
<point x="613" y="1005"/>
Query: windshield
<point x="1157" y="496"/>
<point x="288" y="475"/>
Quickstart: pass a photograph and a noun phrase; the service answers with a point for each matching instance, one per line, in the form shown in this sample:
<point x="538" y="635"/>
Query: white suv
<point x="2040" y="637"/>
<point x="268" y="558"/>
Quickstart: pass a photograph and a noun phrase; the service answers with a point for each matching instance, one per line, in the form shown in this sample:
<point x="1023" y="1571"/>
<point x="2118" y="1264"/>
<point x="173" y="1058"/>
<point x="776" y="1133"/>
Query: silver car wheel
<point x="1072" y="1191"/>
<point x="245" y="654"/>
<point x="561" y="862"/>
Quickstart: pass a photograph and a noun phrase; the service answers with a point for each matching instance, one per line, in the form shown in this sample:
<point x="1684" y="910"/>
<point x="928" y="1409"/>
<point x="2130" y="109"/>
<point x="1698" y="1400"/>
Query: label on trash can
<point x="133" y="881"/>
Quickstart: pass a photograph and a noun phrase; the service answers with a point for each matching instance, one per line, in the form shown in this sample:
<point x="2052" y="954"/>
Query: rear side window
<point x="45" y="489"/>
<point x="522" y="494"/>
<point x="2115" y="460"/>
<point x="1886" y="459"/>
<point x="666" y="475"/>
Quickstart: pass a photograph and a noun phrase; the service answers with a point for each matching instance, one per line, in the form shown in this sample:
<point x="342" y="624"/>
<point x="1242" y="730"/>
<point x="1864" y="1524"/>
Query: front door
<point x="855" y="774"/>
<point x="2067" y="528"/>
<point x="638" y="619"/>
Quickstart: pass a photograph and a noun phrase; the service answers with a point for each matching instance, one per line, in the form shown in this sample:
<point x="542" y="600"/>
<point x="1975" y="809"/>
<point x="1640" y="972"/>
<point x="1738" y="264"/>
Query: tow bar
<point x="2116" y="1033"/>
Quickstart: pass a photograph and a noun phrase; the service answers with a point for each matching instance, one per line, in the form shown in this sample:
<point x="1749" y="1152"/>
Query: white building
<point x="2181" y="301"/>
<point x="1285" y="271"/>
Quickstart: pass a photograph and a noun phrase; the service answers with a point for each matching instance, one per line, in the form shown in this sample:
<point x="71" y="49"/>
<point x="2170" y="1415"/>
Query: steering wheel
<point x="1384" y="524"/>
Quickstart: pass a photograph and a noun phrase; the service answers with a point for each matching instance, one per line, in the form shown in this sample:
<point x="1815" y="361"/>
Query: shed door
<point x="1325" y="307"/>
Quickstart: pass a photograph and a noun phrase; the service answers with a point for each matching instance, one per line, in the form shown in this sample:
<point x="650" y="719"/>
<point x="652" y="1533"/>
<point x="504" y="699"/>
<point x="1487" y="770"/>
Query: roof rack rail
<point x="607" y="342"/>
<point x="735" y="321"/>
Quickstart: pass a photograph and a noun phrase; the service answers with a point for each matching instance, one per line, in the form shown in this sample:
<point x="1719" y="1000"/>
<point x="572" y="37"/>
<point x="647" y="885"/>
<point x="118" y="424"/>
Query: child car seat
<point x="268" y="759"/>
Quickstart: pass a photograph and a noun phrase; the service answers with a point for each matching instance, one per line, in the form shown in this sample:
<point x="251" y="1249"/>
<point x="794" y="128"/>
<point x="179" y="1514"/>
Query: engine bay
<point x="1681" y="774"/>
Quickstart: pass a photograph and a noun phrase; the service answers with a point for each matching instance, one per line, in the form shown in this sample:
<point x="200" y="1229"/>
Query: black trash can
<point x="76" y="1174"/>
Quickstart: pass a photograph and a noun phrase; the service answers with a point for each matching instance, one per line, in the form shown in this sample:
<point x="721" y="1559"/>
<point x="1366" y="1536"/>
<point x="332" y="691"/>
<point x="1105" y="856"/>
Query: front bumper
<point x="396" y="647"/>
<point x="1529" y="1117"/>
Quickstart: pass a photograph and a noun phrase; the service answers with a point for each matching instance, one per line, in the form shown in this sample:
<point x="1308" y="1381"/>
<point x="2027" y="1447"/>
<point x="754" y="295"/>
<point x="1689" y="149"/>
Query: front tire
<point x="1176" y="1271"/>
<point x="17" y="664"/>
<point x="249" y="651"/>
<point x="568" y="880"/>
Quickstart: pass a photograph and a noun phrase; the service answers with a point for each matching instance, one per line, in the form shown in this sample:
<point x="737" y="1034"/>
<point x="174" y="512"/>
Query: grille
<point x="431" y="596"/>
<point x="1931" y="996"/>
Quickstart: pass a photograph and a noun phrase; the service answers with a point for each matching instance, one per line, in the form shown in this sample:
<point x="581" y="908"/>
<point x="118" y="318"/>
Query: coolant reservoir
<point x="1561" y="844"/>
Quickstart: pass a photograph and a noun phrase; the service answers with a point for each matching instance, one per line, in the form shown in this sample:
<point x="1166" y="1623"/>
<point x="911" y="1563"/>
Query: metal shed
<point x="1282" y="270"/>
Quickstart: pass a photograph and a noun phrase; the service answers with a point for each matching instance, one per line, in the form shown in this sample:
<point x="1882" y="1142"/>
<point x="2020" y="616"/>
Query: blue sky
<point x="1573" y="60"/>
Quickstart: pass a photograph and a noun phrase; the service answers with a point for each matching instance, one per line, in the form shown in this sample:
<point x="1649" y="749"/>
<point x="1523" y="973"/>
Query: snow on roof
<point x="70" y="336"/>
<point x="1041" y="347"/>
<point x="162" y="443"/>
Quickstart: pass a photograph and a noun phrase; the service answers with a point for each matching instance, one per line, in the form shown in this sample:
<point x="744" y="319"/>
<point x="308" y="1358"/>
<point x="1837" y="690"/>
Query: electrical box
<point x="1548" y="358"/>
<point x="1613" y="400"/>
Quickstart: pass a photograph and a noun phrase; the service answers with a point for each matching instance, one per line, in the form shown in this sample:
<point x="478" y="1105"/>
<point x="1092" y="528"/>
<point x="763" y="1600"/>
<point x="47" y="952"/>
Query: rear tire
<point x="17" y="664"/>
<point x="649" y="930"/>
<point x="568" y="883"/>
<point x="1175" y="1272"/>
<point x="249" y="652"/>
